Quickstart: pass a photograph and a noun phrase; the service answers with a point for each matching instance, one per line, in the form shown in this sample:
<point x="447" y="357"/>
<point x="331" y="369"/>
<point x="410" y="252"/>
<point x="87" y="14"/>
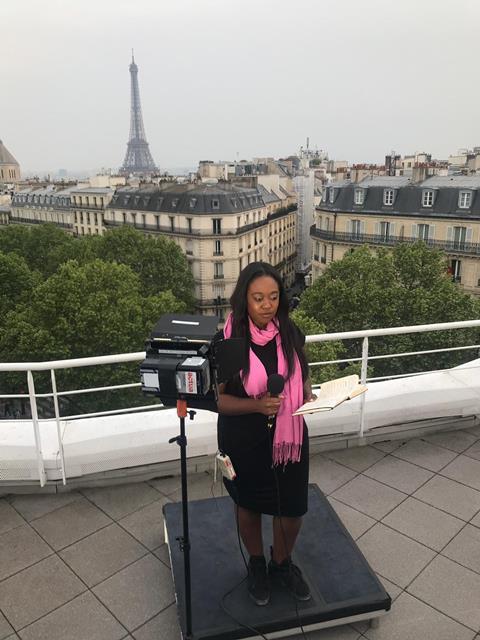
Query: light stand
<point x="184" y="541"/>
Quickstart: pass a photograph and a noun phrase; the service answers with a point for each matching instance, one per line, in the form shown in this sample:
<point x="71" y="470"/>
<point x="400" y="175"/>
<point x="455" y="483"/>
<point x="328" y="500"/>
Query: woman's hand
<point x="308" y="395"/>
<point x="269" y="405"/>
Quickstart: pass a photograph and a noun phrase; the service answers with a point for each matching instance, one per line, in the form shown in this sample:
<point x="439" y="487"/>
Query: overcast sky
<point x="253" y="77"/>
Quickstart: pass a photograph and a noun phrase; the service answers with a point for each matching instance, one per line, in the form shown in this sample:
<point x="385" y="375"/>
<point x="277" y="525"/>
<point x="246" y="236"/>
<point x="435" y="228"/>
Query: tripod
<point x="184" y="541"/>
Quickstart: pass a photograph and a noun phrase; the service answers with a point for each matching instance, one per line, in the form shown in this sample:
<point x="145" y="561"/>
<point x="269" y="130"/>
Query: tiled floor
<point x="93" y="565"/>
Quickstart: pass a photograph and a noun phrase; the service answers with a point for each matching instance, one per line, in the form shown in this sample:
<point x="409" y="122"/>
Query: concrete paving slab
<point x="120" y="500"/>
<point x="329" y="475"/>
<point x="388" y="446"/>
<point x="356" y="458"/>
<point x="37" y="590"/>
<point x="146" y="524"/>
<point x="369" y="496"/>
<point x="399" y="474"/>
<point x="465" y="470"/>
<point x="450" y="588"/>
<point x="100" y="555"/>
<point x="5" y="628"/>
<point x="137" y="593"/>
<point x="465" y="548"/>
<point x="473" y="451"/>
<point x="67" y="525"/>
<point x="425" y="454"/>
<point x="426" y="524"/>
<point x="9" y="518"/>
<point x="386" y="550"/>
<point x="450" y="496"/>
<point x="164" y="625"/>
<point x="35" y="506"/>
<point x="20" y="548"/>
<point x="84" y="618"/>
<point x="356" y="523"/>
<point x="455" y="440"/>
<point x="411" y="619"/>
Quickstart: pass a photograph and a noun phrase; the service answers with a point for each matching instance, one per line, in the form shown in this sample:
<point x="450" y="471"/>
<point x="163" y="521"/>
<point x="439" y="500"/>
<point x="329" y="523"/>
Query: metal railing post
<point x="363" y="380"/>
<point x="57" y="420"/>
<point x="36" y="428"/>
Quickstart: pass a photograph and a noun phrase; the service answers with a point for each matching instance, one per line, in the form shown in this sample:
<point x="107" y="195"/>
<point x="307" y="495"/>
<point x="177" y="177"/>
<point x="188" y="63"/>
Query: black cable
<point x="277" y="484"/>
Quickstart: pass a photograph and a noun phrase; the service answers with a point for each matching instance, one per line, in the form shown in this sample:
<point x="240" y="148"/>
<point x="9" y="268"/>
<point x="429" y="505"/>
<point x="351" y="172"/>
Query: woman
<point x="271" y="463"/>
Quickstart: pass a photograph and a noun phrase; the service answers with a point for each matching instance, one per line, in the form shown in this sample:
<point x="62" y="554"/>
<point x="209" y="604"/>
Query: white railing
<point x="30" y="367"/>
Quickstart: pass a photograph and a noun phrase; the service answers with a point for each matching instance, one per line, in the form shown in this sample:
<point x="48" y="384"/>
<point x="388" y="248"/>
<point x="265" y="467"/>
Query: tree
<point x="407" y="286"/>
<point x="159" y="262"/>
<point x="85" y="310"/>
<point x="17" y="282"/>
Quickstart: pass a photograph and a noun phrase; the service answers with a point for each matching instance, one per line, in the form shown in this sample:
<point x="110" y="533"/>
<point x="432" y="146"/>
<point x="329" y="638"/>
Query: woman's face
<point x="262" y="300"/>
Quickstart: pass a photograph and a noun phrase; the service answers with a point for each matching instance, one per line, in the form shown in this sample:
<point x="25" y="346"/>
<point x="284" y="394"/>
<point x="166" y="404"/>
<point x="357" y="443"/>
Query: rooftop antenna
<point x="133" y="59"/>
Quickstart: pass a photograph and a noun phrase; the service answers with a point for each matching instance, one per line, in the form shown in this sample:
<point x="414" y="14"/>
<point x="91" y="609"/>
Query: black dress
<point x="248" y="441"/>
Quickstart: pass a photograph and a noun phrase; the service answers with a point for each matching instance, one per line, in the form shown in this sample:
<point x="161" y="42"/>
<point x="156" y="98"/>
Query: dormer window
<point x="331" y="195"/>
<point x="427" y="198"/>
<point x="215" y="203"/>
<point x="174" y="203"/>
<point x="159" y="203"/>
<point x="359" y="196"/>
<point x="464" y="199"/>
<point x="388" y="197"/>
<point x="193" y="202"/>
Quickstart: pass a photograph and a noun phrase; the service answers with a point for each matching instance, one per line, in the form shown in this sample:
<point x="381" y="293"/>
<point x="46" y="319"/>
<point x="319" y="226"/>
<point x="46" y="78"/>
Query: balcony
<point x="453" y="246"/>
<point x="63" y="225"/>
<point x="409" y="496"/>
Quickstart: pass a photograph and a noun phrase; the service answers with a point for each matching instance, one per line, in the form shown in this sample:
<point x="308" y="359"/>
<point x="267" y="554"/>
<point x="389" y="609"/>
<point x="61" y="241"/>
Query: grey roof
<point x="408" y="198"/>
<point x="268" y="196"/>
<point x="100" y="190"/>
<point x="5" y="155"/>
<point x="189" y="198"/>
<point x="385" y="181"/>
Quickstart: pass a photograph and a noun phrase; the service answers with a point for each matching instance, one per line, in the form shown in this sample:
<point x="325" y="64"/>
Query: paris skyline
<point x="224" y="81"/>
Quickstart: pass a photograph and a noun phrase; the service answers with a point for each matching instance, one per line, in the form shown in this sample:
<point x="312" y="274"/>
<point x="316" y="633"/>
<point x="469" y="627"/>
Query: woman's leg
<point x="285" y="532"/>
<point x="250" y="525"/>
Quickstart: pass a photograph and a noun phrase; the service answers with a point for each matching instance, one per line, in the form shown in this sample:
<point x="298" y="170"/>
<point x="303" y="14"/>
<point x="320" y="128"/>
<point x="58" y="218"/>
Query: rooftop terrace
<point x="93" y="565"/>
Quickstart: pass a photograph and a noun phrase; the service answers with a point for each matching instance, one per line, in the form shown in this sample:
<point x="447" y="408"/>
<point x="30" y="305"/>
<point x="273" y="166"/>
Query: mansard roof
<point x="190" y="198"/>
<point x="408" y="197"/>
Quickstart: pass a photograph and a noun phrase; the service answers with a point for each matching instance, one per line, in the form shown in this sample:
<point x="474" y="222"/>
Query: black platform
<point x="343" y="585"/>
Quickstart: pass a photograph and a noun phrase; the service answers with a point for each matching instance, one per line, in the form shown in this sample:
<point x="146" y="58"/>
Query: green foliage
<point x="159" y="262"/>
<point x="17" y="282"/>
<point x="407" y="286"/>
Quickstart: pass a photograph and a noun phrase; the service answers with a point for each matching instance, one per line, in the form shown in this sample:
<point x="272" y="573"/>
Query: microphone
<point x="275" y="385"/>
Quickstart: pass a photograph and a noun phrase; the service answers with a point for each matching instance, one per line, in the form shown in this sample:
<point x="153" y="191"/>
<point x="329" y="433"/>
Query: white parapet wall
<point x="126" y="441"/>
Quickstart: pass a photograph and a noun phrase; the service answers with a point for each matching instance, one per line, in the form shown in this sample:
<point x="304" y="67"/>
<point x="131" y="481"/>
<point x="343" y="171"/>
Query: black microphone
<point x="275" y="385"/>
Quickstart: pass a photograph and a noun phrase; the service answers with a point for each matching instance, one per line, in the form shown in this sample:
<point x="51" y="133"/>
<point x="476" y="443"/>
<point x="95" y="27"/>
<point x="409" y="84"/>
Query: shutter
<point x="392" y="228"/>
<point x="468" y="237"/>
<point x="377" y="228"/>
<point x="362" y="227"/>
<point x="415" y="231"/>
<point x="349" y="226"/>
<point x="431" y="232"/>
<point x="449" y="234"/>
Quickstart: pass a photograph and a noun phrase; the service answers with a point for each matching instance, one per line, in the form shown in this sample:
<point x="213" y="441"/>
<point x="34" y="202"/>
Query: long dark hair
<point x="288" y="332"/>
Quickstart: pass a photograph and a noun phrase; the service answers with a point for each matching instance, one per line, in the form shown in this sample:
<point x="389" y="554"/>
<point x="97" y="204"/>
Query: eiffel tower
<point x="138" y="159"/>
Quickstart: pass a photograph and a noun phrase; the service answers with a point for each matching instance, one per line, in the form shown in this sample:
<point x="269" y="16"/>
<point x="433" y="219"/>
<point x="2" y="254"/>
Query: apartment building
<point x="88" y="209"/>
<point x="9" y="167"/>
<point x="220" y="227"/>
<point x="443" y="211"/>
<point x="40" y="205"/>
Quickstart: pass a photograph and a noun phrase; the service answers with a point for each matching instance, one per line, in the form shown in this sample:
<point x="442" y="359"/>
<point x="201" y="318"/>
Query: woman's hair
<point x="240" y="326"/>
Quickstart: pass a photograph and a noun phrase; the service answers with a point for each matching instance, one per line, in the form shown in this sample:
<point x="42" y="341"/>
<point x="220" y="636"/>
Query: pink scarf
<point x="287" y="443"/>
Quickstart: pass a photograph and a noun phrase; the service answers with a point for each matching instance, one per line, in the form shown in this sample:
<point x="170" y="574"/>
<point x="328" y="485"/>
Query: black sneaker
<point x="258" y="583"/>
<point x="290" y="576"/>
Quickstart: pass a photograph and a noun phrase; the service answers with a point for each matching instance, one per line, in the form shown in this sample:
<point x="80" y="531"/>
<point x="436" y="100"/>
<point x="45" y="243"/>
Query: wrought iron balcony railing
<point x="450" y="246"/>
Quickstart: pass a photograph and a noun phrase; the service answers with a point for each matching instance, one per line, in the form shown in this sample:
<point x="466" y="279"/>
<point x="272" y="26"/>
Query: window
<point x="134" y="218"/>
<point x="456" y="270"/>
<point x="124" y="215"/>
<point x="388" y="197"/>
<point x="356" y="228"/>
<point x="323" y="257"/>
<point x="465" y="199"/>
<point x="157" y="221"/>
<point x="459" y="237"/>
<point x="144" y="220"/>
<point x="427" y="199"/>
<point x="172" y="223"/>
<point x="189" y="223"/>
<point x="218" y="247"/>
<point x="215" y="203"/>
<point x="423" y="232"/>
<point x="218" y="270"/>
<point x="385" y="230"/>
<point x="193" y="202"/>
<point x="217" y="225"/>
<point x="359" y="196"/>
<point x="331" y="195"/>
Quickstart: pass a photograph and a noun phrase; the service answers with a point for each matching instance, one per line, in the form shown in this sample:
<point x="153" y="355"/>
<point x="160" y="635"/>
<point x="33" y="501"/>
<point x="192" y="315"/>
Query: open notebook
<point x="333" y="393"/>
